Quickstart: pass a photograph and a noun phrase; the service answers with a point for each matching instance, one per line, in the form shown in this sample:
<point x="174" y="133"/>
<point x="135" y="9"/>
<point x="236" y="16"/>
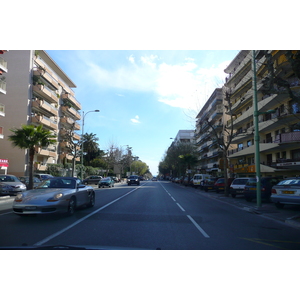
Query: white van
<point x="198" y="179"/>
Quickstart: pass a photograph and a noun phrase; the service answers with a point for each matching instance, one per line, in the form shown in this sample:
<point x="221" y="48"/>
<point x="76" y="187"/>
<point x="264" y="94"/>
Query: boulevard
<point x="154" y="215"/>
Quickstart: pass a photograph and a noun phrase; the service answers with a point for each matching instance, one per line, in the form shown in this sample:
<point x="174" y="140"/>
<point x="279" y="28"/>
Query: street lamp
<point x="83" y="116"/>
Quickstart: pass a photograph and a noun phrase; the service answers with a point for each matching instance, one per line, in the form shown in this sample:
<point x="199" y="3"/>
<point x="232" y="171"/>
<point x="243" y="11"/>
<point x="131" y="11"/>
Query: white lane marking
<point x="50" y="237"/>
<point x="10" y="212"/>
<point x="198" y="227"/>
<point x="180" y="207"/>
<point x="191" y="219"/>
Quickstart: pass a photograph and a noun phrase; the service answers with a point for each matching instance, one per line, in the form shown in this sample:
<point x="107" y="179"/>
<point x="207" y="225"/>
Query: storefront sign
<point x="4" y="163"/>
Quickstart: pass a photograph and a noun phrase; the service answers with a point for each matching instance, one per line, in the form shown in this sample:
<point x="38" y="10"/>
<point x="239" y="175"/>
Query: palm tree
<point x="90" y="146"/>
<point x="29" y="137"/>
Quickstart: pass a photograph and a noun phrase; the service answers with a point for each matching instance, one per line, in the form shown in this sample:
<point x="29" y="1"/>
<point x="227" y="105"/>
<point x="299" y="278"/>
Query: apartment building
<point x="4" y="163"/>
<point x="184" y="136"/>
<point x="278" y="116"/>
<point x="208" y="133"/>
<point x="38" y="92"/>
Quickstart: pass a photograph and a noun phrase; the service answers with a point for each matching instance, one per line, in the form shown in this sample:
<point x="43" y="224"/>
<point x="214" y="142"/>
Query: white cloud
<point x="185" y="85"/>
<point x="131" y="59"/>
<point x="135" y="120"/>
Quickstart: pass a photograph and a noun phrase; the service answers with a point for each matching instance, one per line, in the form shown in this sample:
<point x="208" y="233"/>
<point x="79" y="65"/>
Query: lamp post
<point x="83" y="116"/>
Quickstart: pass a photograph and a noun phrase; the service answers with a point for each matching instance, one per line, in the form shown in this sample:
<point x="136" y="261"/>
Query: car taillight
<point x="274" y="191"/>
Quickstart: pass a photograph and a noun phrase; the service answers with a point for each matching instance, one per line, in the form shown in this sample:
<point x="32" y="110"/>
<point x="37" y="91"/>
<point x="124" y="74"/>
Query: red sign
<point x="4" y="162"/>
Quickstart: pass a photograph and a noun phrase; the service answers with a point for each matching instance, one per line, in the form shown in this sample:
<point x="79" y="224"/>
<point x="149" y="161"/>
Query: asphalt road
<point x="154" y="215"/>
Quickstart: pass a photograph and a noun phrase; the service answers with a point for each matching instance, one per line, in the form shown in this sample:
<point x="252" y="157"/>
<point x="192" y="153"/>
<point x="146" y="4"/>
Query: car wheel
<point x="71" y="206"/>
<point x="233" y="195"/>
<point x="279" y="205"/>
<point x="248" y="199"/>
<point x="92" y="200"/>
<point x="217" y="191"/>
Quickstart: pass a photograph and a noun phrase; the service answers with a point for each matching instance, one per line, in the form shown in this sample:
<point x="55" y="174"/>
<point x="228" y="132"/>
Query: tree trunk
<point x="30" y="168"/>
<point x="226" y="189"/>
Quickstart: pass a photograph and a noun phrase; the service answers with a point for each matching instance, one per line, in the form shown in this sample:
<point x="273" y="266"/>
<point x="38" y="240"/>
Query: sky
<point x="144" y="96"/>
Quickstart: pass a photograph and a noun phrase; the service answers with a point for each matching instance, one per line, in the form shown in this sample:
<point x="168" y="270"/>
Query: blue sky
<point x="144" y="97"/>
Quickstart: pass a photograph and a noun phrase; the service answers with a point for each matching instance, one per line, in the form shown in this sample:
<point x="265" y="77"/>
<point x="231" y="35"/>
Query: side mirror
<point x="80" y="186"/>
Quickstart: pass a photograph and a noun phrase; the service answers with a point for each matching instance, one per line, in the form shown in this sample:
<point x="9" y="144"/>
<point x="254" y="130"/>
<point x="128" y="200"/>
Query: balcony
<point x="39" y="166"/>
<point x="2" y="110"/>
<point x="71" y="111"/>
<point x="3" y="66"/>
<point x="45" y="75"/>
<point x="70" y="122"/>
<point x="289" y="137"/>
<point x="44" y="106"/>
<point x="46" y="93"/>
<point x="38" y="119"/>
<point x="72" y="99"/>
<point x="2" y="87"/>
<point x="46" y="151"/>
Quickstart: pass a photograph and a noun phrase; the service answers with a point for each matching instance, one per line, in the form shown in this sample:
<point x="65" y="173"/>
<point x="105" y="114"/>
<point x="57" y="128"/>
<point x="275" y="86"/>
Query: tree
<point x="139" y="167"/>
<point x="178" y="158"/>
<point x="72" y="146"/>
<point x="90" y="147"/>
<point x="29" y="137"/>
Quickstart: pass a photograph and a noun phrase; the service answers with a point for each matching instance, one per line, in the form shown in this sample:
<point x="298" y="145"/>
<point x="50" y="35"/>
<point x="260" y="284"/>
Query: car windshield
<point x="58" y="183"/>
<point x="240" y="181"/>
<point x="290" y="182"/>
<point x="220" y="180"/>
<point x="105" y="179"/>
<point x="7" y="178"/>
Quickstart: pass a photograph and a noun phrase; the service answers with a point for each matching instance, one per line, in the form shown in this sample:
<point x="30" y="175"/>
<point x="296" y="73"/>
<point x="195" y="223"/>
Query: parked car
<point x="286" y="191"/>
<point x="42" y="176"/>
<point x="186" y="181"/>
<point x="25" y="180"/>
<point x="219" y="185"/>
<point x="133" y="179"/>
<point x="198" y="180"/>
<point x="209" y="184"/>
<point x="93" y="179"/>
<point x="266" y="188"/>
<point x="11" y="185"/>
<point x="107" y="181"/>
<point x="54" y="195"/>
<point x="237" y="186"/>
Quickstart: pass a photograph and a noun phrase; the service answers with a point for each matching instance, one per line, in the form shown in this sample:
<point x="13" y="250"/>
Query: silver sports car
<point x="58" y="194"/>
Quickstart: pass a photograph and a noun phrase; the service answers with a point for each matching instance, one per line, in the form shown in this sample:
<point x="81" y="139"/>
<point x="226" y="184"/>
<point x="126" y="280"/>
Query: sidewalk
<point x="289" y="215"/>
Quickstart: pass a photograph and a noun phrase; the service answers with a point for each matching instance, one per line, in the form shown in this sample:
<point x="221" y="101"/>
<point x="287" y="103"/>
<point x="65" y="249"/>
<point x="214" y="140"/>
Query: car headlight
<point x="19" y="197"/>
<point x="20" y="186"/>
<point x="55" y="198"/>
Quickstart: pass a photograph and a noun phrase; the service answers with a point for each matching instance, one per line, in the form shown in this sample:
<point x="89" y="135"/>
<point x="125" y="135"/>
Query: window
<point x="249" y="143"/>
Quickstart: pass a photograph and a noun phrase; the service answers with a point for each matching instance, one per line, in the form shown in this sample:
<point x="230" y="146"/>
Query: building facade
<point x="4" y="163"/>
<point x="278" y="117"/>
<point x="209" y="133"/>
<point x="38" y="92"/>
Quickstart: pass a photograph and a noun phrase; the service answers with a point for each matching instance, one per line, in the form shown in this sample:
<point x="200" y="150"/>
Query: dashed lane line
<point x="191" y="219"/>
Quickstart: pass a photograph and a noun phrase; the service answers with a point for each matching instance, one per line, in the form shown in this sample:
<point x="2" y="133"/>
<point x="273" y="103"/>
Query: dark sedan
<point x="266" y="187"/>
<point x="93" y="179"/>
<point x="106" y="182"/>
<point x="133" y="179"/>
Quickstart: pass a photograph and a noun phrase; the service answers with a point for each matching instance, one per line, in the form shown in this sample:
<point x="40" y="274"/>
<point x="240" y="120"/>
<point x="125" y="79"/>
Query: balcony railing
<point x="3" y="65"/>
<point x="2" y="86"/>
